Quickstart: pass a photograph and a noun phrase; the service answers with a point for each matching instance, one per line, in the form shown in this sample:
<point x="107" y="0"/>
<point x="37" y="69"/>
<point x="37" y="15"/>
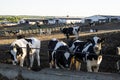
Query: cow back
<point x="51" y="45"/>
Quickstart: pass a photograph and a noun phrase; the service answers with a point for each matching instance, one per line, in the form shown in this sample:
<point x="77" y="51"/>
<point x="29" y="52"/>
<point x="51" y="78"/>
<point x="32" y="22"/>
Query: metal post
<point x="28" y="55"/>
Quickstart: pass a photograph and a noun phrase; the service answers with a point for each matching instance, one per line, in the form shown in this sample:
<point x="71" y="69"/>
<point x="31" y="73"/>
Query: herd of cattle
<point x="61" y="55"/>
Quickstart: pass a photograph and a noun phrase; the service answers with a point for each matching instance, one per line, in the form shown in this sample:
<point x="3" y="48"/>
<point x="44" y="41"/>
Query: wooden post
<point x="40" y="31"/>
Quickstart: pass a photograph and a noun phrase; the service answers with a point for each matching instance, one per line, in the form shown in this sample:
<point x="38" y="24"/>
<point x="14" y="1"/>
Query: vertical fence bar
<point x="28" y="55"/>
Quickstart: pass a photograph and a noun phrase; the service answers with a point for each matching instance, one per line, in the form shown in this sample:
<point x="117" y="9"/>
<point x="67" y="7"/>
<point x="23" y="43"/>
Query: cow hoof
<point x="57" y="68"/>
<point x="29" y="68"/>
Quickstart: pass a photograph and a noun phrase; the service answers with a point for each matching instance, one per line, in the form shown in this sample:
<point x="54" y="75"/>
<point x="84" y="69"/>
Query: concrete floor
<point x="11" y="72"/>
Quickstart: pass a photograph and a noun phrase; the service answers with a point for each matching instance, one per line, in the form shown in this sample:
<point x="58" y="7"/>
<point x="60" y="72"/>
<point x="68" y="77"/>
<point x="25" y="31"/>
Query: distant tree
<point x="13" y="19"/>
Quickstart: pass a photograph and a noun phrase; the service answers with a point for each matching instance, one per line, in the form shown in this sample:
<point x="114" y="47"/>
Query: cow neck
<point x="85" y="49"/>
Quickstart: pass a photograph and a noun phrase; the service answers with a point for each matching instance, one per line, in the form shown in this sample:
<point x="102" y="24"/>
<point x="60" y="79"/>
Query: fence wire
<point x="115" y="56"/>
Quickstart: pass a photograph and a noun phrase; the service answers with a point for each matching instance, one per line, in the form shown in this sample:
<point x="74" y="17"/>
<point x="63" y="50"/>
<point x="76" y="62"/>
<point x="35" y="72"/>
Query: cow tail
<point x="28" y="55"/>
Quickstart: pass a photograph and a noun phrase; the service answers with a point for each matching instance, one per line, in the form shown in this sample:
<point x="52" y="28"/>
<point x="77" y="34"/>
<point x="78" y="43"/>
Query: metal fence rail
<point x="39" y="31"/>
<point x="28" y="48"/>
<point x="31" y="31"/>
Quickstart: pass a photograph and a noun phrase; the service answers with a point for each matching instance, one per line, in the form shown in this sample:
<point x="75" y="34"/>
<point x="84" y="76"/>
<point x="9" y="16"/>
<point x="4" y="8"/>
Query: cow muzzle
<point x="67" y="65"/>
<point x="96" y="48"/>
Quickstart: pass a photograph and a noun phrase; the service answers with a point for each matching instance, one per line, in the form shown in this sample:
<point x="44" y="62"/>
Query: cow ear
<point x="102" y="39"/>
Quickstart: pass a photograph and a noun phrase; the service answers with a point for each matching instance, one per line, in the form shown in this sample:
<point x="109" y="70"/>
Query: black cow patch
<point x="29" y="40"/>
<point x="51" y="46"/>
<point x="19" y="50"/>
<point x="68" y="31"/>
<point x="60" y="58"/>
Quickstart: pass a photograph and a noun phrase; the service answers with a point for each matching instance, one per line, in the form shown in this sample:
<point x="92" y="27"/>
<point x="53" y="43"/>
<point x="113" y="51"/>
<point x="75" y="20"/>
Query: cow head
<point x="63" y="56"/>
<point x="16" y="53"/>
<point x="65" y="31"/>
<point x="96" y="43"/>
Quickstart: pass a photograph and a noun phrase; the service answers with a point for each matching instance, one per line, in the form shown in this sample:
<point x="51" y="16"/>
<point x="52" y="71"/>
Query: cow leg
<point x="77" y="65"/>
<point x="57" y="66"/>
<point x="96" y="68"/>
<point x="89" y="66"/>
<point x="72" y="63"/>
<point x="51" y="63"/>
<point x="22" y="60"/>
<point x="118" y="65"/>
<point x="61" y="66"/>
<point x="38" y="57"/>
<point x="31" y="60"/>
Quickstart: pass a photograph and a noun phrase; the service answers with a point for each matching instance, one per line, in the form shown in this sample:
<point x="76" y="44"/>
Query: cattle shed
<point x="100" y="19"/>
<point x="60" y="20"/>
<point x="18" y="73"/>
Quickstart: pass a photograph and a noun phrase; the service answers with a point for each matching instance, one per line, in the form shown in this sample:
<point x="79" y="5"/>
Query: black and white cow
<point x="71" y="31"/>
<point x="59" y="55"/>
<point x="89" y="52"/>
<point x="75" y="43"/>
<point x="19" y="51"/>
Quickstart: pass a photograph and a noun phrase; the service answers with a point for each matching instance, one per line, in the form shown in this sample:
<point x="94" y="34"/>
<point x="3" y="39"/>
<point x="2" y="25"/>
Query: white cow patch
<point x="86" y="48"/>
<point x="73" y="46"/>
<point x="57" y="46"/>
<point x="96" y="39"/>
<point x="75" y="28"/>
<point x="54" y="39"/>
<point x="67" y="55"/>
<point x="99" y="59"/>
<point x="118" y="50"/>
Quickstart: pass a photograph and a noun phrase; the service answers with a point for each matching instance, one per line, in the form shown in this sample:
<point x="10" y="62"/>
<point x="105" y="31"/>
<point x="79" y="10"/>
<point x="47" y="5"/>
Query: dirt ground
<point x="112" y="40"/>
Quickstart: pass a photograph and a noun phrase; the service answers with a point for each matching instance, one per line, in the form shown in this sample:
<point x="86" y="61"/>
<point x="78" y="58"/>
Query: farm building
<point x="32" y="21"/>
<point x="5" y="22"/>
<point x="51" y="21"/>
<point x="112" y="18"/>
<point x="94" y="18"/>
<point x="72" y="20"/>
<point x="100" y="19"/>
<point x="68" y="20"/>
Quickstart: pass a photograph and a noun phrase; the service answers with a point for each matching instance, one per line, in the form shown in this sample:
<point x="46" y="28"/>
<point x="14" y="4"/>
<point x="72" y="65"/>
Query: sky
<point x="60" y="7"/>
